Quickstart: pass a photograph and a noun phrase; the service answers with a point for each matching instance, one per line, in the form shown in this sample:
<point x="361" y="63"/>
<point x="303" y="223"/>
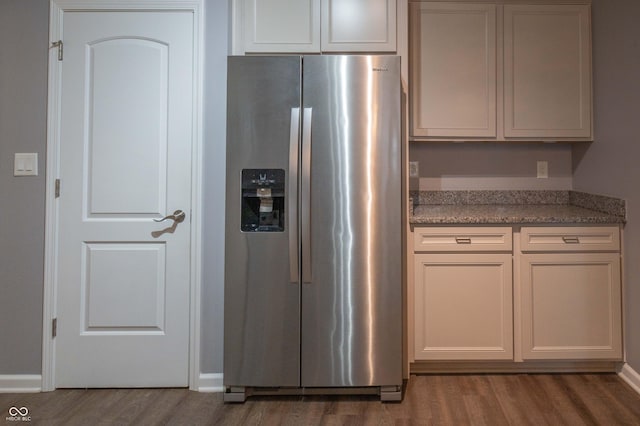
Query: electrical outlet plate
<point x="414" y="169"/>
<point x="543" y="170"/>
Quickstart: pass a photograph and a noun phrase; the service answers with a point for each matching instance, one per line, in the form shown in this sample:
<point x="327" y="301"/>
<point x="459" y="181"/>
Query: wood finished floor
<point x="520" y="399"/>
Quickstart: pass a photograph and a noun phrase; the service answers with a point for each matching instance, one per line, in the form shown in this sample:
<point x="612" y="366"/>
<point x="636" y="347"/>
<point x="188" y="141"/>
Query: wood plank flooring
<point x="464" y="399"/>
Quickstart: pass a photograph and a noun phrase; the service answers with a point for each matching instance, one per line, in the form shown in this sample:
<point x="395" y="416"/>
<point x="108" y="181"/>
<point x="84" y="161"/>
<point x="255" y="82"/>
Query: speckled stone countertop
<point x="514" y="207"/>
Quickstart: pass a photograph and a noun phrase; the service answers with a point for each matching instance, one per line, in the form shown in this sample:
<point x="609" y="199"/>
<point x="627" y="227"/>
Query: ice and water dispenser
<point x="262" y="200"/>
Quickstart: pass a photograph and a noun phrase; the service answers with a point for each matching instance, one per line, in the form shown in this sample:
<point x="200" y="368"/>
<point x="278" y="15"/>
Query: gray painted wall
<point x="217" y="26"/>
<point x="610" y="164"/>
<point x="23" y="96"/>
<point x="23" y="105"/>
<point x="485" y="165"/>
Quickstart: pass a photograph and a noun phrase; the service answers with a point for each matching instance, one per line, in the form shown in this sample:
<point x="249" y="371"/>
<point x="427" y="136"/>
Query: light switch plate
<point x="25" y="164"/>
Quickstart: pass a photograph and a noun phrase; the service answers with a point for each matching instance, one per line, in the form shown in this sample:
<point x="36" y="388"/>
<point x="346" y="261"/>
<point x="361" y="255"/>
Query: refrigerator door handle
<point x="294" y="137"/>
<point x="305" y="196"/>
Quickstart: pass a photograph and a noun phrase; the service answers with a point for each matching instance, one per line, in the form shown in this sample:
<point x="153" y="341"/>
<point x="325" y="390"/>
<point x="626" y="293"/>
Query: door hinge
<point x="59" y="45"/>
<point x="57" y="188"/>
<point x="54" y="327"/>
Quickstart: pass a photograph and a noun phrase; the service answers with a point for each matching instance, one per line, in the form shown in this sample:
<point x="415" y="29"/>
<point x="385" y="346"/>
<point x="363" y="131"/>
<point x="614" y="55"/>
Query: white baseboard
<point x="630" y="376"/>
<point x="31" y="383"/>
<point x="20" y="383"/>
<point x="211" y="382"/>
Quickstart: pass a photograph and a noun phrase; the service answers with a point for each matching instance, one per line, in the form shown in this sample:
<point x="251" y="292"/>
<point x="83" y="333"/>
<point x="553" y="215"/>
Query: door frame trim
<point x="56" y="17"/>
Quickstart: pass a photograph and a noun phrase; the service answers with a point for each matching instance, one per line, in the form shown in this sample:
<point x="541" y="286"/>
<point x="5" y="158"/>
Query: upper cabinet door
<point x="547" y="74"/>
<point x="358" y="25"/>
<point x="453" y="70"/>
<point x="314" y="26"/>
<point x="274" y="26"/>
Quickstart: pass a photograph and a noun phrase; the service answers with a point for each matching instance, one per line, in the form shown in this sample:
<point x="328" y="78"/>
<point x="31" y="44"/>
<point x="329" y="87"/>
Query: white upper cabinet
<point x="281" y="26"/>
<point x="483" y="71"/>
<point x="547" y="71"/>
<point x="453" y="58"/>
<point x="358" y="25"/>
<point x="313" y="26"/>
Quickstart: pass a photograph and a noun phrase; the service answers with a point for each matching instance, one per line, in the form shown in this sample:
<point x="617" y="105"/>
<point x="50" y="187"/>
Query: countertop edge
<point x="514" y="221"/>
<point x="501" y="208"/>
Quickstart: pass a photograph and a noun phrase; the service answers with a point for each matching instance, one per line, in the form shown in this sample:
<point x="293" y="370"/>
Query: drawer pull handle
<point x="571" y="240"/>
<point x="463" y="240"/>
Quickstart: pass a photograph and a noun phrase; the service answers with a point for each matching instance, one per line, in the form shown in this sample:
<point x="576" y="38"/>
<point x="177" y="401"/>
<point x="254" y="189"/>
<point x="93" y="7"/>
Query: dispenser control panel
<point x="262" y="200"/>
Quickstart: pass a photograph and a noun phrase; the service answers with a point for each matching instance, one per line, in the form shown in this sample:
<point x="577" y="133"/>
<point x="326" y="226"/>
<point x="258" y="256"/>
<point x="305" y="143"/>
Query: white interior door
<point x="125" y="159"/>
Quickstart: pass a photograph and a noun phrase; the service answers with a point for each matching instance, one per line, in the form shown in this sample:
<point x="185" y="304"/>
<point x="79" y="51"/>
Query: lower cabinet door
<point x="571" y="306"/>
<point x="463" y="307"/>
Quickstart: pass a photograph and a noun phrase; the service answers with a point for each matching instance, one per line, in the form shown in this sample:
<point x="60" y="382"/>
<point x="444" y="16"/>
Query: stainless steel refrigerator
<point x="313" y="275"/>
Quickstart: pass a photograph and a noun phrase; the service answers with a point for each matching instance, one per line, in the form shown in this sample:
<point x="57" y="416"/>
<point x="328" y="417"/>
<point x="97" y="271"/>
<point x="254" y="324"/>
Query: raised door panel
<point x="358" y="26"/>
<point x="463" y="307"/>
<point x="135" y="96"/>
<point x="281" y="26"/>
<point x="547" y="71"/>
<point x="453" y="70"/>
<point x="571" y="306"/>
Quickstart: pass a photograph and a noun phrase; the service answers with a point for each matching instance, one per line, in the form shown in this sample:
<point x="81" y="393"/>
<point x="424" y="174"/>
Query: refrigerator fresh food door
<point x="351" y="231"/>
<point x="262" y="292"/>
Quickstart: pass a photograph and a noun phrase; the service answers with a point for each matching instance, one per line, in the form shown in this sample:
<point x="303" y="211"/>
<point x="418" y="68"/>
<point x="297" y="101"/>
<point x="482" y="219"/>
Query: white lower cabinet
<point x="463" y="295"/>
<point x="571" y="296"/>
<point x="463" y="305"/>
<point x="563" y="303"/>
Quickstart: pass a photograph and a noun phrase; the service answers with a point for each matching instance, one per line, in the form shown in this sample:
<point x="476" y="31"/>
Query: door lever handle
<point x="177" y="216"/>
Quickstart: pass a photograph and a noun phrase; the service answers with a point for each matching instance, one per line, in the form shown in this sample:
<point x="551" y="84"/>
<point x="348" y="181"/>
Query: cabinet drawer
<point x="602" y="238"/>
<point x="462" y="239"/>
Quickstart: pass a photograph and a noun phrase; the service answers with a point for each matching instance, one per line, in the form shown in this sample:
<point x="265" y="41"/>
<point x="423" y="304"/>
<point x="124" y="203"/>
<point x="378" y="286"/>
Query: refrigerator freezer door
<point x="262" y="295"/>
<point x="351" y="310"/>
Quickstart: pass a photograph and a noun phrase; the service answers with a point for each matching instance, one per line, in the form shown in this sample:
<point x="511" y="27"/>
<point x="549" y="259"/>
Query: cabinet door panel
<point x="571" y="306"/>
<point x="358" y="25"/>
<point x="281" y="26"/>
<point x="463" y="307"/>
<point x="453" y="69"/>
<point x="547" y="75"/>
